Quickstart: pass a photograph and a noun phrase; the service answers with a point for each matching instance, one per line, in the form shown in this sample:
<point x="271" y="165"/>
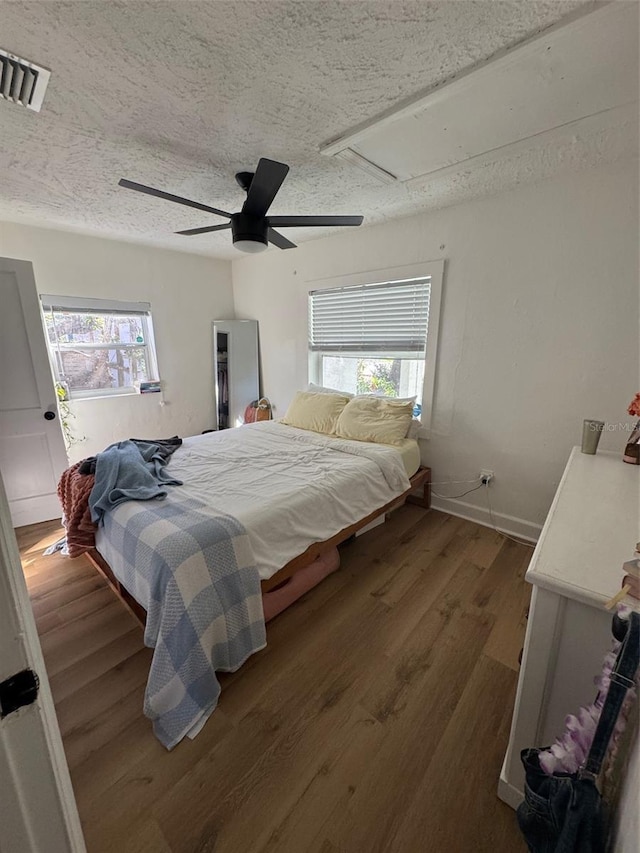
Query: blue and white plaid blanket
<point x="194" y="572"/>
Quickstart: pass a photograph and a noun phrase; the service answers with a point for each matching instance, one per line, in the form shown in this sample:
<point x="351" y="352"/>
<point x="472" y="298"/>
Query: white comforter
<point x="288" y="487"/>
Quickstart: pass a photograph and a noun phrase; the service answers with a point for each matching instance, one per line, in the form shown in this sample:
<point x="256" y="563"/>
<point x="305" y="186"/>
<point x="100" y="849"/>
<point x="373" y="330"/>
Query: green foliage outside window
<point x="379" y="376"/>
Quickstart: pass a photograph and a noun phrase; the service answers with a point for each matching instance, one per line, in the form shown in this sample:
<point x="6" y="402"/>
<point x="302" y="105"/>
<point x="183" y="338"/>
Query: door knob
<point x="49" y="416"/>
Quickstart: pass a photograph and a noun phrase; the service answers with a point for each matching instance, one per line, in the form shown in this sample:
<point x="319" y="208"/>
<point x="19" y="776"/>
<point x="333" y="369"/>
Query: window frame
<point x="435" y="271"/>
<point x="316" y="356"/>
<point x="101" y="306"/>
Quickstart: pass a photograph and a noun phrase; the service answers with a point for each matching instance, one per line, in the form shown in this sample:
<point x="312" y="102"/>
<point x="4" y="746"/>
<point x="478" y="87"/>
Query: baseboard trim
<point x="508" y="793"/>
<point x="505" y="523"/>
<point x="34" y="510"/>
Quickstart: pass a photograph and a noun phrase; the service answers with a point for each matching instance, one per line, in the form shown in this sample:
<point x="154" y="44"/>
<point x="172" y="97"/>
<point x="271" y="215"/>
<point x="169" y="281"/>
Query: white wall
<point x="539" y="326"/>
<point x="186" y="293"/>
<point x="627" y="823"/>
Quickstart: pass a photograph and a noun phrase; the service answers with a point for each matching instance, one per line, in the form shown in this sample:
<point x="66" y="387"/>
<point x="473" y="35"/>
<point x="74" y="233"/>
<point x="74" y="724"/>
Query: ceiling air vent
<point x="21" y="81"/>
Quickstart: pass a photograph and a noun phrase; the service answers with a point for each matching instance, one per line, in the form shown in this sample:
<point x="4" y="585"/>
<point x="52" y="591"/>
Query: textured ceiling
<point x="181" y="95"/>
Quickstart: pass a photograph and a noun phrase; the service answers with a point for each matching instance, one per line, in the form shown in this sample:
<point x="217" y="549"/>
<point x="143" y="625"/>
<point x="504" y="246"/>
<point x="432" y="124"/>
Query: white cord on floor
<point x="454" y="482"/>
<point x="489" y="507"/>
<point x="452" y="497"/>
<point x="501" y="532"/>
<point x="475" y="489"/>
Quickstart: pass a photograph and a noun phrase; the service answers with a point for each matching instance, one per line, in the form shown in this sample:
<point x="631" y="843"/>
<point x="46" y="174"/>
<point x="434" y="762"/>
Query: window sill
<point x="94" y="397"/>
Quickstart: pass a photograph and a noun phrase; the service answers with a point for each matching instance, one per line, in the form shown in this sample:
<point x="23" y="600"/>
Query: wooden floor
<point x="375" y="721"/>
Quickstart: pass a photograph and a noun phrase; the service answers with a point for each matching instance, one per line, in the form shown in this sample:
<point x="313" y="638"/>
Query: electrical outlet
<point x="486" y="476"/>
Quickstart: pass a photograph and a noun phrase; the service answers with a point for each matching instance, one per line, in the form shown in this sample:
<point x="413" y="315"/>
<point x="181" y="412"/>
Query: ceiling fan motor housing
<point x="250" y="228"/>
<point x="243" y="179"/>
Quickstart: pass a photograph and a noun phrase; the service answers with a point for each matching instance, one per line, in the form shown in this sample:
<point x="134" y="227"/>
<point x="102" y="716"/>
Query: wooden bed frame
<point x="421" y="480"/>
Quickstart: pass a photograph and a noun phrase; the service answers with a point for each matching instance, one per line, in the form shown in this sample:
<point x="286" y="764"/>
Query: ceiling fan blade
<point x="304" y="221"/>
<point x="141" y="188"/>
<point x="263" y="188"/>
<point x="280" y="240"/>
<point x="206" y="230"/>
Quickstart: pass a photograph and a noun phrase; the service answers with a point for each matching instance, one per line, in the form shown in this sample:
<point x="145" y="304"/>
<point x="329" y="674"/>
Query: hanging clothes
<point x="223" y="383"/>
<point x="563" y="812"/>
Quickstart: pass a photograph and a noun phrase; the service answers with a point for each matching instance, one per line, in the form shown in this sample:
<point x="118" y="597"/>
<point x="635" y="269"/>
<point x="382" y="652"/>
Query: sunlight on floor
<point x="41" y="545"/>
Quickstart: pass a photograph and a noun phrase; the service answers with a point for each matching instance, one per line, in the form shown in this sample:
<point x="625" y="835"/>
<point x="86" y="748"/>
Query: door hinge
<point x="17" y="691"/>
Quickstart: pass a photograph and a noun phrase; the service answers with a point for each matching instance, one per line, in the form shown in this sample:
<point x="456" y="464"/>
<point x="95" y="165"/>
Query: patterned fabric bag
<point x="258" y="410"/>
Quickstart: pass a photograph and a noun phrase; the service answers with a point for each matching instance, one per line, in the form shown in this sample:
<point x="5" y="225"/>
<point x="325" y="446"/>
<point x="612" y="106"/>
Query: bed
<point x="295" y="494"/>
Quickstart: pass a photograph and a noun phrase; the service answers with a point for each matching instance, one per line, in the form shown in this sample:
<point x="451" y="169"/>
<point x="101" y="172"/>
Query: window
<point x="99" y="347"/>
<point x="378" y="336"/>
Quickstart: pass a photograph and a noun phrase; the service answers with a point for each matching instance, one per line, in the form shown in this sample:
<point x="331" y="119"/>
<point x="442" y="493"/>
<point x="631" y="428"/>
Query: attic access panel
<point x="571" y="72"/>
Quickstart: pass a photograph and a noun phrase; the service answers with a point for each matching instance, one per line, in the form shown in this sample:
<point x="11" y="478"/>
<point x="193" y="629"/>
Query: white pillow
<point x="385" y="397"/>
<point x="414" y="429"/>
<point x="322" y="389"/>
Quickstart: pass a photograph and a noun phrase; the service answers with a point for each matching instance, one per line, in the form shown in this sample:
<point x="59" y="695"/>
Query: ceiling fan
<point x="252" y="230"/>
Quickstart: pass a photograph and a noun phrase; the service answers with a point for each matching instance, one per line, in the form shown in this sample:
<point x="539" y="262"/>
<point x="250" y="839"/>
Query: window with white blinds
<point x="388" y="317"/>
<point x="376" y="332"/>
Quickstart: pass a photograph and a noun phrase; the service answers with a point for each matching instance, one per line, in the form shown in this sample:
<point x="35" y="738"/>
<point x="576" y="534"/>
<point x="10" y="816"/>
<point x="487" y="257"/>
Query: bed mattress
<point x="288" y="487"/>
<point x="409" y="452"/>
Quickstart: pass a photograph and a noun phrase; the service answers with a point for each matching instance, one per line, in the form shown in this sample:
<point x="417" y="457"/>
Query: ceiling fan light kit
<point x="249" y="234"/>
<point x="251" y="247"/>
<point x="251" y="229"/>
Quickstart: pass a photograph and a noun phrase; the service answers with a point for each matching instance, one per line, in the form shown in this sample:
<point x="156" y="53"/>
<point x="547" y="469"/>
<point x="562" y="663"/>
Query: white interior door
<point x="32" y="451"/>
<point x="38" y="812"/>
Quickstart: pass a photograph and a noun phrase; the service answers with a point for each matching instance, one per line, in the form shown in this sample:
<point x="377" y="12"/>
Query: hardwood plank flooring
<point x="375" y="721"/>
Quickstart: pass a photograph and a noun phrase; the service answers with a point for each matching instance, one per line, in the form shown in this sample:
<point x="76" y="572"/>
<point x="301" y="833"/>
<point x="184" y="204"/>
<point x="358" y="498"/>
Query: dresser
<point x="591" y="529"/>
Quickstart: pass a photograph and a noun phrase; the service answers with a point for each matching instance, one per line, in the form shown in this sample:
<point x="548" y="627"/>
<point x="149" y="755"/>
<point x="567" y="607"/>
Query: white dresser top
<point x="596" y="524"/>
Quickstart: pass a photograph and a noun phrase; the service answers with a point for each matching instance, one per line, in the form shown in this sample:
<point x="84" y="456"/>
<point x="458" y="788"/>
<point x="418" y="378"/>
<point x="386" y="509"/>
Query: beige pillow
<point x="317" y="412"/>
<point x="380" y="419"/>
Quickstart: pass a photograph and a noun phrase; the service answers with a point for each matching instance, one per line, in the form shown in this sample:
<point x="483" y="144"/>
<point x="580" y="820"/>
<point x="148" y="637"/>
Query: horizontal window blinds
<point x="390" y="317"/>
